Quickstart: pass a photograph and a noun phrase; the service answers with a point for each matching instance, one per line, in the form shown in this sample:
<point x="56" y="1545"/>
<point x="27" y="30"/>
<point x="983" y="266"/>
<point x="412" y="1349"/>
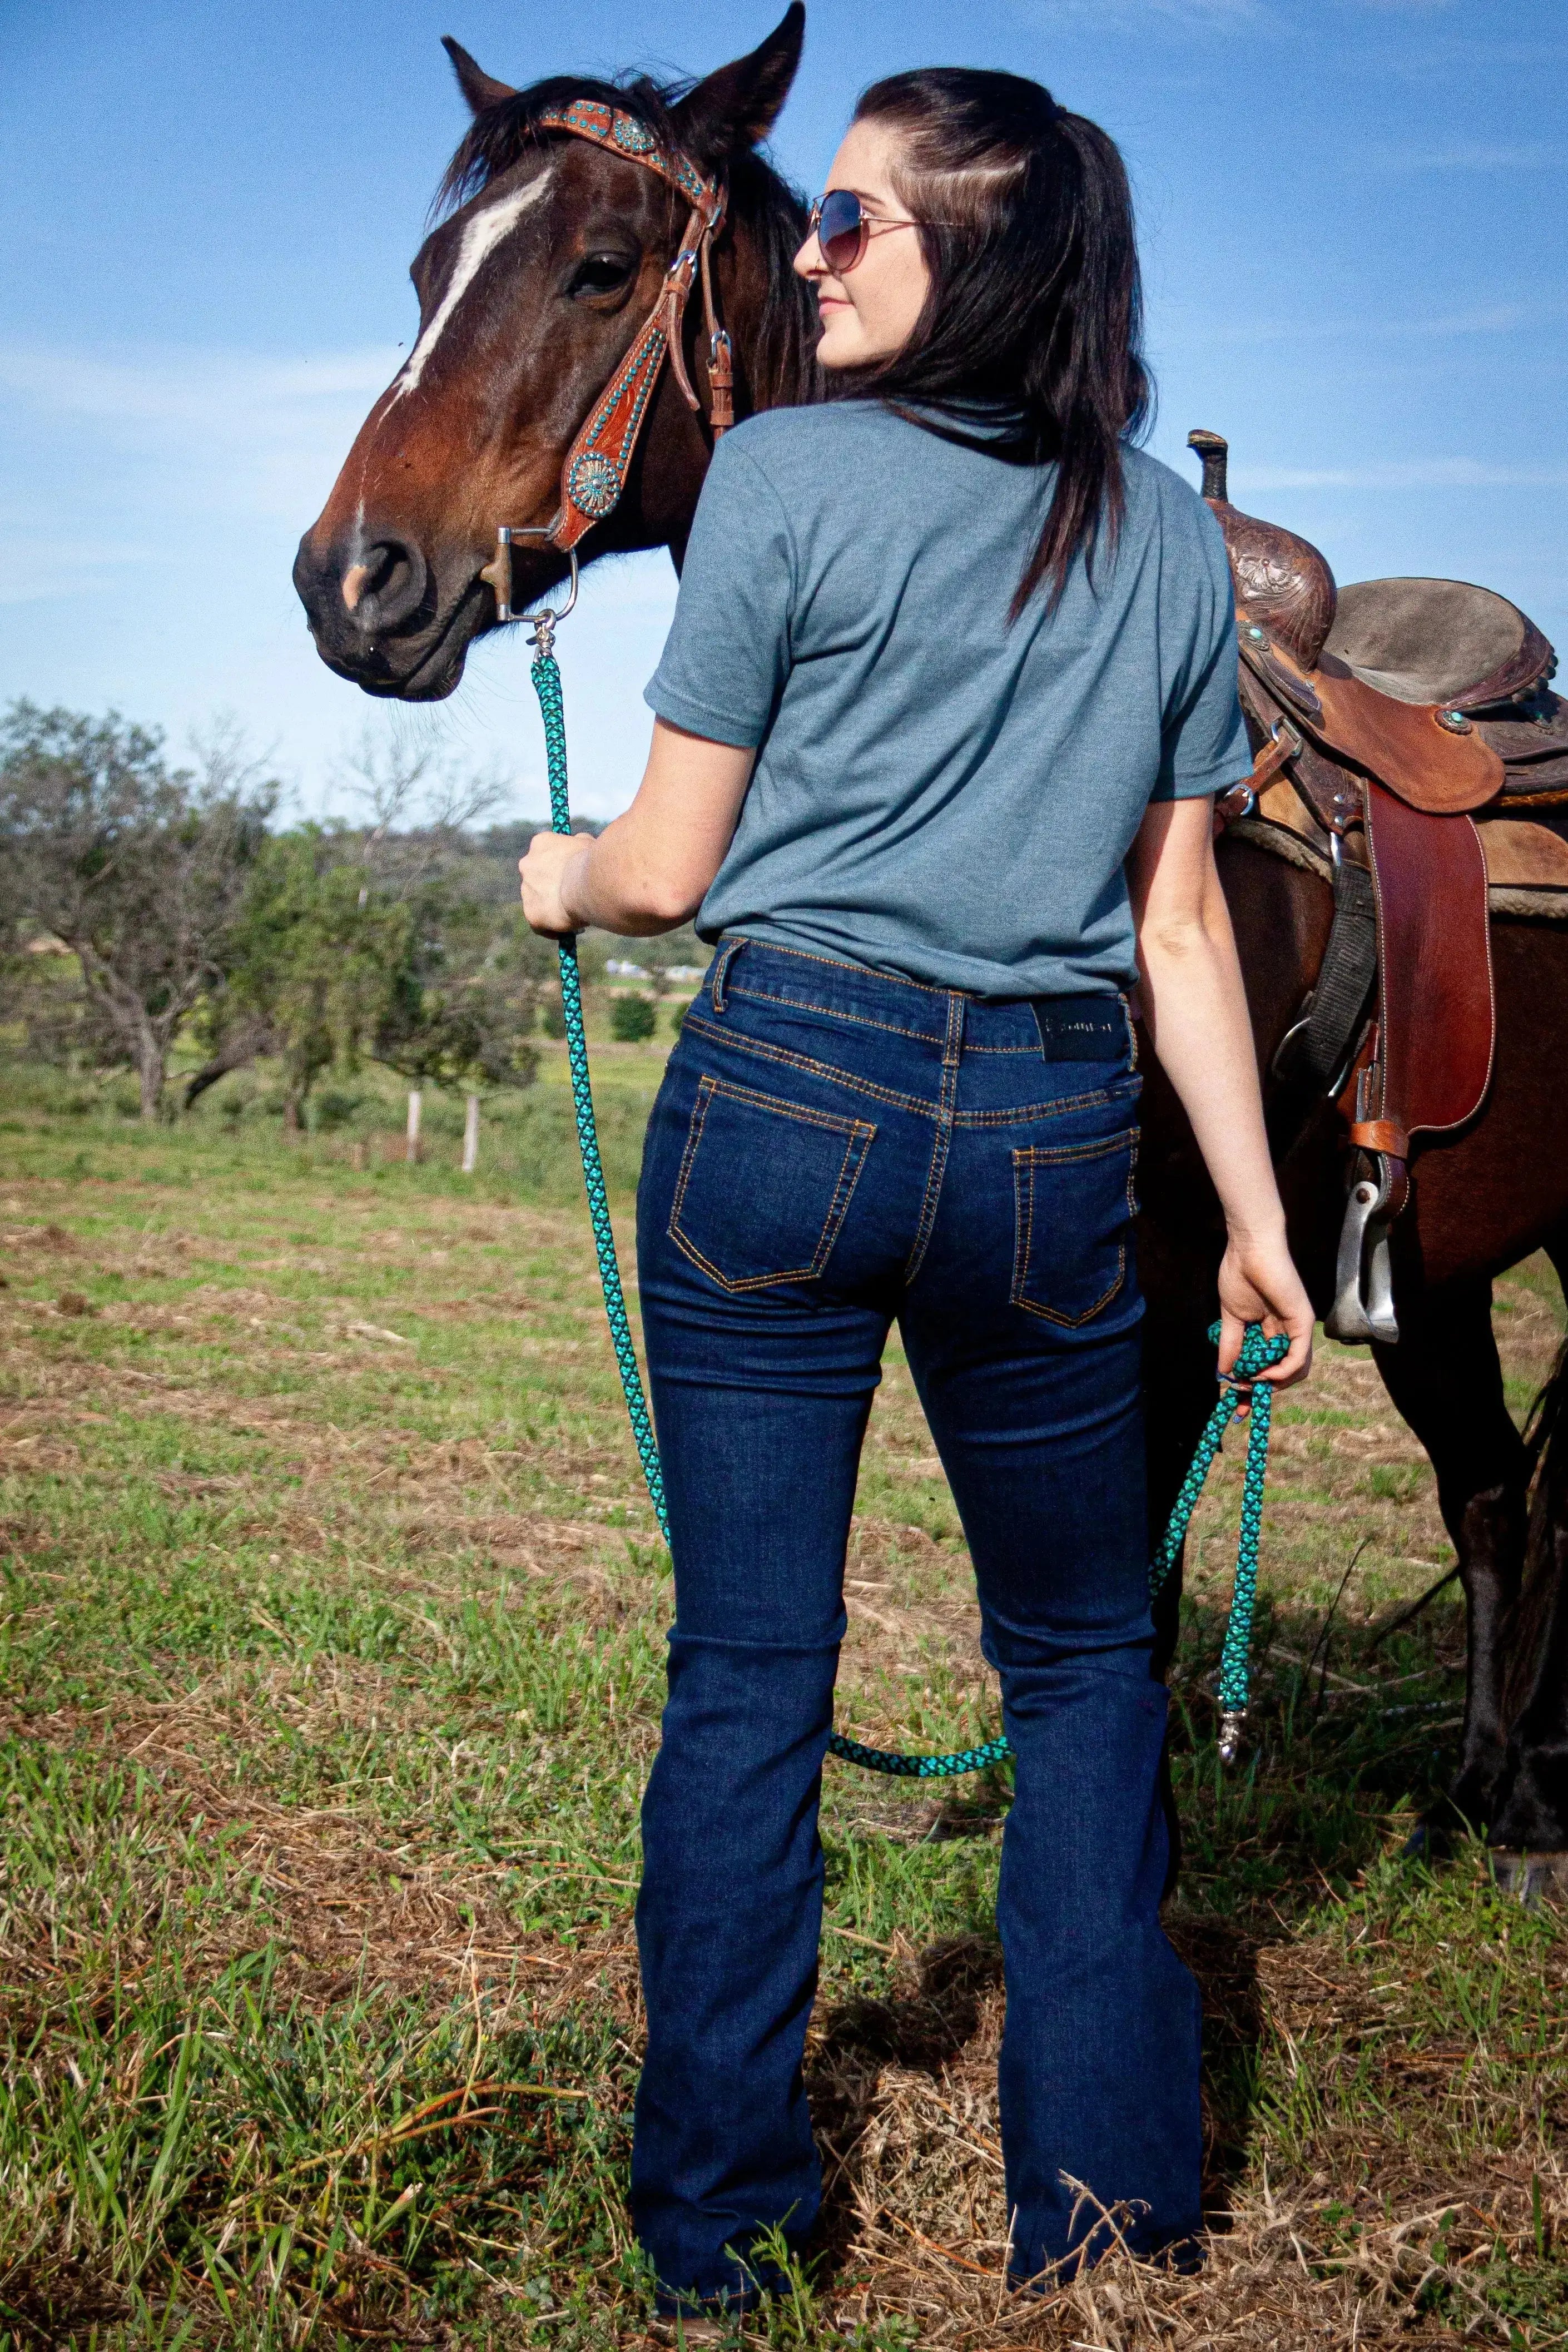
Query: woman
<point x="950" y="690"/>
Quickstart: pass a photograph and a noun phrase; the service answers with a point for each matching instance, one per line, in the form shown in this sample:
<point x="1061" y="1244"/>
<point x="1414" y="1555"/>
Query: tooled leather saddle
<point x="1385" y="718"/>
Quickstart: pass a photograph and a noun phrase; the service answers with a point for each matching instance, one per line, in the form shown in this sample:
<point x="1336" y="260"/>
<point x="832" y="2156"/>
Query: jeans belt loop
<point x="1125" y="1000"/>
<point x="726" y="956"/>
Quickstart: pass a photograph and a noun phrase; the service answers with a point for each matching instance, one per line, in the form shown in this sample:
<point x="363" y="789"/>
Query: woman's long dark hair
<point x="1034" y="310"/>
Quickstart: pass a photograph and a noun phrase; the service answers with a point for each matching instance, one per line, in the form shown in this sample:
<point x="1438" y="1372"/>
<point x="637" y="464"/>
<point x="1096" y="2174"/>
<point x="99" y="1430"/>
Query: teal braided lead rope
<point x="919" y="1767"/>
<point x="546" y="679"/>
<point x="1257" y="1354"/>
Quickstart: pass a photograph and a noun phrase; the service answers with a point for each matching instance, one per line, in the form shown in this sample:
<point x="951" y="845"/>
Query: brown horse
<point x="533" y="291"/>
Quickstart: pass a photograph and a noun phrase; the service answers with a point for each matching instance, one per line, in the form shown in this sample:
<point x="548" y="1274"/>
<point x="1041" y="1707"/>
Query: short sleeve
<point x="727" y="655"/>
<point x="1203" y="745"/>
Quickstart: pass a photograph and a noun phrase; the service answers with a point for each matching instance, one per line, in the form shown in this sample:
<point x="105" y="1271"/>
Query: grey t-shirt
<point x="939" y="793"/>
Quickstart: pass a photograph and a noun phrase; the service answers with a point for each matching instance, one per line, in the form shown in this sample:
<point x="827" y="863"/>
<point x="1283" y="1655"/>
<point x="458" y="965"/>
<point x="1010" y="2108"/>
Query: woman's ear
<point x="728" y="112"/>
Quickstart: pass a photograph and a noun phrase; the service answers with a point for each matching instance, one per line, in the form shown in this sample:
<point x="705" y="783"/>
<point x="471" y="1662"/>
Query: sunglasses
<point x="842" y="228"/>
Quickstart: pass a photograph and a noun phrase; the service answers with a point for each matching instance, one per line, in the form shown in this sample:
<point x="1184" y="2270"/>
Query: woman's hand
<point x="550" y="859"/>
<point x="1259" y="1283"/>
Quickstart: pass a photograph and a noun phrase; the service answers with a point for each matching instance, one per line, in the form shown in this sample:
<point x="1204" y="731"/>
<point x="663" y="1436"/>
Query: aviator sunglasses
<point x="842" y="228"/>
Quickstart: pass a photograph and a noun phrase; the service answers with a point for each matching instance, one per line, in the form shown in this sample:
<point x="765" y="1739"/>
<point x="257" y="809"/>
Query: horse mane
<point x="782" y="365"/>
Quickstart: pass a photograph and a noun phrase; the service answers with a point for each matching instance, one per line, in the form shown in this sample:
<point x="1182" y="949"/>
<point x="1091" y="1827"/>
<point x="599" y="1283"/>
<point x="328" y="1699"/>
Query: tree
<point x="458" y="1011"/>
<point x="314" y="961"/>
<point x="632" y="1019"/>
<point x="139" y="869"/>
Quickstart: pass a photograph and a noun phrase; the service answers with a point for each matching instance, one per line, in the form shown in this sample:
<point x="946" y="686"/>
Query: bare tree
<point x="138" y="868"/>
<point x="419" y="806"/>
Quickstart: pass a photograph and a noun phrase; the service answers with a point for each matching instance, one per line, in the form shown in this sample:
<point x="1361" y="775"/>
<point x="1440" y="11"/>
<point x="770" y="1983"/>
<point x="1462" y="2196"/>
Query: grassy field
<point x="333" y="1626"/>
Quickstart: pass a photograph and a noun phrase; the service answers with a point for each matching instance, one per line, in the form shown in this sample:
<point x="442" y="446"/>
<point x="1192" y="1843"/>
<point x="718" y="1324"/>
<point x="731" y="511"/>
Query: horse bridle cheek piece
<point x="594" y="475"/>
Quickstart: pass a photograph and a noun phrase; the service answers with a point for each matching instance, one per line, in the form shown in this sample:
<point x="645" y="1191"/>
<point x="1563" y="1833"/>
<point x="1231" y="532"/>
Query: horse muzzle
<point x="379" y="616"/>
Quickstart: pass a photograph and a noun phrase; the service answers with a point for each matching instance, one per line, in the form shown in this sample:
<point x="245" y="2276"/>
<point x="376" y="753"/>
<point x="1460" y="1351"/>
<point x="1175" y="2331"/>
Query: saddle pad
<point x="1521" y="856"/>
<point x="1435" y="1017"/>
<point x="1441" y="641"/>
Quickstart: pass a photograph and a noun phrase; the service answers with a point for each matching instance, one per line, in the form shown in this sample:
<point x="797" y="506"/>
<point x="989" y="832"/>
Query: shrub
<point x="334" y="1110"/>
<point x="677" y="1014"/>
<point x="631" y="1019"/>
<point x="553" y="1017"/>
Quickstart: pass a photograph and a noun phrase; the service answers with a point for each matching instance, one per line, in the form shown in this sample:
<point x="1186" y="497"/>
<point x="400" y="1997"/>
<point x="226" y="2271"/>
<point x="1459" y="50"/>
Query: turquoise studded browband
<point x="596" y="466"/>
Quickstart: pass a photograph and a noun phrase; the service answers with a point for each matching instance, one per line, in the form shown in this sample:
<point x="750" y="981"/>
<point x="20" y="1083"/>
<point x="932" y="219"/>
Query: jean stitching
<point x="1023" y="1223"/>
<point x="721" y="972"/>
<point x="941" y="1142"/>
<point x="1052" y="1155"/>
<point x="1025" y="1162"/>
<point x="831" y="1013"/>
<point x="789" y="1061"/>
<point x="837" y="1122"/>
<point x="1076" y="1322"/>
<point x="1032" y="1112"/>
<point x="1131" y="1032"/>
<point x="859" y="1134"/>
<point x="693" y="1137"/>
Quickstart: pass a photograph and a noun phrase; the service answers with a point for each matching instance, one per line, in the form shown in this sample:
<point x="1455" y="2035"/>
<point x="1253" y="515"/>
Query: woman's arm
<point x="649" y="871"/>
<point x="1195" y="1008"/>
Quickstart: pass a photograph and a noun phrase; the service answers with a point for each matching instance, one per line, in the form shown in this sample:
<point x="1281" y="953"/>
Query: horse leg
<point x="1444" y="1379"/>
<point x="1531" y="1819"/>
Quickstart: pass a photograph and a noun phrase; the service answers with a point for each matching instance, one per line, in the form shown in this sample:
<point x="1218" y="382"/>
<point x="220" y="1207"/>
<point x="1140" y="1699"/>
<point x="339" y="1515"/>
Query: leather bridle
<point x="594" y="472"/>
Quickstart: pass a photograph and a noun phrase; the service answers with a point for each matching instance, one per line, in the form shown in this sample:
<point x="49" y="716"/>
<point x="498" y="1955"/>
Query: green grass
<point x="332" y="1628"/>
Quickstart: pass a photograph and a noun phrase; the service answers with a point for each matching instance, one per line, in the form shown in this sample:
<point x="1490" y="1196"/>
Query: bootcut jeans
<point x="833" y="1150"/>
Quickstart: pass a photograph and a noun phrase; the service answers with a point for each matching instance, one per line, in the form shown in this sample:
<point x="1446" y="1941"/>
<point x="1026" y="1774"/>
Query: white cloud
<point x="1414" y="474"/>
<point x="231" y="433"/>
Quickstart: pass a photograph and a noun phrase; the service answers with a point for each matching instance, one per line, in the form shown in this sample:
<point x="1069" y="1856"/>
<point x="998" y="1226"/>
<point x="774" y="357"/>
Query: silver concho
<point x="594" y="483"/>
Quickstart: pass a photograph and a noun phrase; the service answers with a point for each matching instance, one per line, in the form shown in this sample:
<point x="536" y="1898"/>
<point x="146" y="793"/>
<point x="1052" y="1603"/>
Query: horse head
<point x="548" y="254"/>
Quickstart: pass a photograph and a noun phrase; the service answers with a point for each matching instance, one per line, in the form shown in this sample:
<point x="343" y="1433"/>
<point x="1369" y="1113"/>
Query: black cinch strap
<point x="1345" y="979"/>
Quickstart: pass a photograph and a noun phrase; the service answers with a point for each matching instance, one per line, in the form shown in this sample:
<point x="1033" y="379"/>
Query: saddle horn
<point x="1215" y="451"/>
<point x="1282" y="583"/>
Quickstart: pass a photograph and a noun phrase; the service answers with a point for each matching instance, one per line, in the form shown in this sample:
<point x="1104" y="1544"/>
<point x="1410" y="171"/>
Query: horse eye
<point x="600" y="273"/>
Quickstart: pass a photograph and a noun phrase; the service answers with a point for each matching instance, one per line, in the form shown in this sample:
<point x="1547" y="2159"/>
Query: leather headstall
<point x="596" y="466"/>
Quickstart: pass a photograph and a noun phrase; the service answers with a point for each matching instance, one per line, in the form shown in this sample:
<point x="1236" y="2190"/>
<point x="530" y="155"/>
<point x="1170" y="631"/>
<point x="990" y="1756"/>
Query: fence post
<point x="471" y="1136"/>
<point x="415" y="1103"/>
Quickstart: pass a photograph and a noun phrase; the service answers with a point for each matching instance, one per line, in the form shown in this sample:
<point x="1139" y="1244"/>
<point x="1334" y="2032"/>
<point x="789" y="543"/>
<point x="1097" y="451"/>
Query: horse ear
<point x="477" y="86"/>
<point x="739" y="105"/>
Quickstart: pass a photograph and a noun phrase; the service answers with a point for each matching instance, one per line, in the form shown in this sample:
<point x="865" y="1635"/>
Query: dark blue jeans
<point x="833" y="1150"/>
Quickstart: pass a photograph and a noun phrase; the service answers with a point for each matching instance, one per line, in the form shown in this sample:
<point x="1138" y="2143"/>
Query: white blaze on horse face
<point x="480" y="238"/>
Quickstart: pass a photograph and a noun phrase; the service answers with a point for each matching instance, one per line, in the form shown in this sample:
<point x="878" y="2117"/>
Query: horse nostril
<point x="386" y="586"/>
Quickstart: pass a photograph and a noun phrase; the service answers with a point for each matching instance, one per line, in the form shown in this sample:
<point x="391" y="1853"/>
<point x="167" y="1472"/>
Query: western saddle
<point x="1386" y="719"/>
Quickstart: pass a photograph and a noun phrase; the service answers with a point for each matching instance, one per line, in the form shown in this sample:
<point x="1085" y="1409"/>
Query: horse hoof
<point x="1529" y="1876"/>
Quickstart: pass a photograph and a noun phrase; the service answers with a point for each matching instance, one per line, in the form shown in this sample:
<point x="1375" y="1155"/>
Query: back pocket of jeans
<point x="763" y="1186"/>
<point x="1073" y="1204"/>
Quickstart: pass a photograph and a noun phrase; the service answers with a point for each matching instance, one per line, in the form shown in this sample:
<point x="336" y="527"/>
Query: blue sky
<point x="1353" y="222"/>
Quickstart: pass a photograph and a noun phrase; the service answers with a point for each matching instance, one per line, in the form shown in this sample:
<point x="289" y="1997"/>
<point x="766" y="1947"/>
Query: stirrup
<point x="1364" y="1276"/>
